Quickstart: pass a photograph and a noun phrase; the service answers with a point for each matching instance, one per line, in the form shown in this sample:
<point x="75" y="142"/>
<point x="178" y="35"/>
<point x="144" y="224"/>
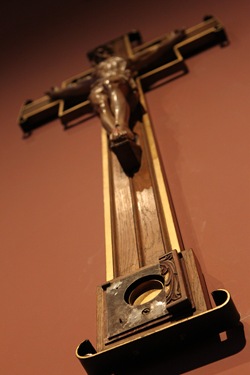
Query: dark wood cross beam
<point x="155" y="296"/>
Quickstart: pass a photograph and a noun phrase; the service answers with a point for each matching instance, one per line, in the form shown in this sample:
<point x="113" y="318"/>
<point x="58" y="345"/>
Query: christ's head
<point x="100" y="54"/>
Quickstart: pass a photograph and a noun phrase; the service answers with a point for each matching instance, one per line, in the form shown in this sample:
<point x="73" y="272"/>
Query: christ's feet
<point x="119" y="134"/>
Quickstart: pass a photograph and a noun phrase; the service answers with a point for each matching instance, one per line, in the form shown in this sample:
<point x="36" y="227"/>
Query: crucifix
<point x="155" y="294"/>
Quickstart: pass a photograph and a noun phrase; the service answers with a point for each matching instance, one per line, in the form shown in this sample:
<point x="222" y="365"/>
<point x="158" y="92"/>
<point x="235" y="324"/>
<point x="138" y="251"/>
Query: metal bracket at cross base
<point x="160" y="327"/>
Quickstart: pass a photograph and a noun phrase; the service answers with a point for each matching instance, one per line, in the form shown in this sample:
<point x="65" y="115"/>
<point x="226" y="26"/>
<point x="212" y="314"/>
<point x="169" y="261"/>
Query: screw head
<point x="145" y="311"/>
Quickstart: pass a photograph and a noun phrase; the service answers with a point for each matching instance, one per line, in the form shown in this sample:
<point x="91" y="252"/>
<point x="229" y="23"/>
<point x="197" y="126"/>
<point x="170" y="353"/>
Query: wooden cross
<point x="155" y="294"/>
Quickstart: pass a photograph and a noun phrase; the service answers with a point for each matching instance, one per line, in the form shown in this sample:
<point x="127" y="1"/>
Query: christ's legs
<point x="120" y="108"/>
<point x="100" y="102"/>
<point x="109" y="100"/>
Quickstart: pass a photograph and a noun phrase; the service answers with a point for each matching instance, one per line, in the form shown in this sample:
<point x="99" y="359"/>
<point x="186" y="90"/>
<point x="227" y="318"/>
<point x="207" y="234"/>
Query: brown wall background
<point x="51" y="209"/>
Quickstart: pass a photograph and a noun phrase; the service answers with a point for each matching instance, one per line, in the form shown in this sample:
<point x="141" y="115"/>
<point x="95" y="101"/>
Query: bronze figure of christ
<point x="112" y="89"/>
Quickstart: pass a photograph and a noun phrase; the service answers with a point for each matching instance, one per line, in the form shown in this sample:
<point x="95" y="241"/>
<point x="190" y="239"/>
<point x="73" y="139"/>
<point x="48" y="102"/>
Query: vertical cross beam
<point x="139" y="212"/>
